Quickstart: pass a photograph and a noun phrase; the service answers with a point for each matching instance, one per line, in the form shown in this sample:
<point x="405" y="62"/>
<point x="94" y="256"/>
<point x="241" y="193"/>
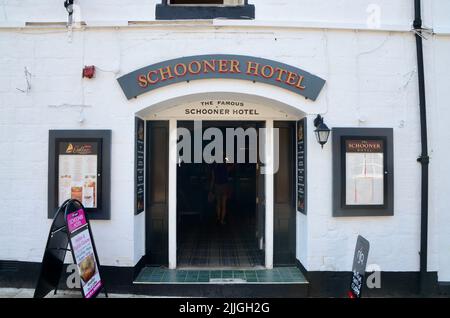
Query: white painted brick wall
<point x="397" y="12"/>
<point x="371" y="82"/>
<point x="438" y="89"/>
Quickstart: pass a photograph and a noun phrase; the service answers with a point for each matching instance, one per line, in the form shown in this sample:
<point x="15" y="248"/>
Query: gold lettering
<point x="291" y="78"/>
<point x="223" y="66"/>
<point x="252" y="68"/>
<point x="142" y="80"/>
<point x="166" y="71"/>
<point x="183" y="67"/>
<point x="264" y="73"/>
<point x="234" y="68"/>
<point x="299" y="82"/>
<point x="209" y="66"/>
<point x="149" y="77"/>
<point x="280" y="72"/>
<point x="198" y="66"/>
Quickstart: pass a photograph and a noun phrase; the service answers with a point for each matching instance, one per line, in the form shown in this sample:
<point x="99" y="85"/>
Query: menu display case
<point x="363" y="171"/>
<point x="79" y="168"/>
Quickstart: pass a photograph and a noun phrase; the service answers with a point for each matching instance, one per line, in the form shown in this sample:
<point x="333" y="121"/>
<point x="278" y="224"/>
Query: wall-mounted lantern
<point x="322" y="131"/>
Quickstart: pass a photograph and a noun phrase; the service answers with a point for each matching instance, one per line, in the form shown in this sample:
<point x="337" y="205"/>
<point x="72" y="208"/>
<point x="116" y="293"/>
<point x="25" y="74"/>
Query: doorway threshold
<point x="260" y="276"/>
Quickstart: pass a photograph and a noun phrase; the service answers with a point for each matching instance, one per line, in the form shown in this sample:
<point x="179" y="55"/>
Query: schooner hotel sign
<point x="221" y="66"/>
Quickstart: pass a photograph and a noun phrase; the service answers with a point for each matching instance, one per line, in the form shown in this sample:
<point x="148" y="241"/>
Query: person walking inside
<point x="220" y="187"/>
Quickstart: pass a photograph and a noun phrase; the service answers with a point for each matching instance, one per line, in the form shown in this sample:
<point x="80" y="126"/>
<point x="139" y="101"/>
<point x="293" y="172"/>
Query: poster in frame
<point x="79" y="167"/>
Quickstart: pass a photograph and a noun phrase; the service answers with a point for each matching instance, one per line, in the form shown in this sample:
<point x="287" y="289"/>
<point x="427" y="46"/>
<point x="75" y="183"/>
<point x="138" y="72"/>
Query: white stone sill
<point x="215" y="23"/>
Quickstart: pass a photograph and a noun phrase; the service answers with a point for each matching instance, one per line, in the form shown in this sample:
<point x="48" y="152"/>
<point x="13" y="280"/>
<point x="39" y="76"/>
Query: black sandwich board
<point x="359" y="267"/>
<point x="70" y="227"/>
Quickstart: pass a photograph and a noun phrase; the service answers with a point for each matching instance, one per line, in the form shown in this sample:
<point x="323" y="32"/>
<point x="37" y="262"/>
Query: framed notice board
<point x="139" y="165"/>
<point x="301" y="165"/>
<point x="363" y="172"/>
<point x="79" y="168"/>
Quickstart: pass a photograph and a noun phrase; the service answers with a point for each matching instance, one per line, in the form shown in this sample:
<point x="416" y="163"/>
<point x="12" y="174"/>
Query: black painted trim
<point x="103" y="212"/>
<point x="208" y="290"/>
<point x="393" y="284"/>
<point x="339" y="209"/>
<point x="168" y="12"/>
<point x="145" y="260"/>
<point x="424" y="158"/>
<point x="301" y="268"/>
<point x="444" y="289"/>
<point x="16" y="274"/>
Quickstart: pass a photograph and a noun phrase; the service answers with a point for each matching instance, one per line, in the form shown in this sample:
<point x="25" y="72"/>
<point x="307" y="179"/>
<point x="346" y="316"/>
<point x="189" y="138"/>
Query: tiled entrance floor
<point x="278" y="275"/>
<point x="204" y="243"/>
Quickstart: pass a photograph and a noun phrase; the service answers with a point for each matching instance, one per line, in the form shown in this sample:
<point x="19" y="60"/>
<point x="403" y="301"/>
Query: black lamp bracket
<point x="318" y="120"/>
<point x="68" y="4"/>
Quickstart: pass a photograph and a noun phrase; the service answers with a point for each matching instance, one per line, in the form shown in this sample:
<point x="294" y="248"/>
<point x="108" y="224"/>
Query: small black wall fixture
<point x="68" y="4"/>
<point x="424" y="159"/>
<point x="322" y="131"/>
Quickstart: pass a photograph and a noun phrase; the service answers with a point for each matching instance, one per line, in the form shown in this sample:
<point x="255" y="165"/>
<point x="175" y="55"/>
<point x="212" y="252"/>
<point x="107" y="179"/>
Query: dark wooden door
<point x="284" y="196"/>
<point x="157" y="238"/>
<point x="260" y="201"/>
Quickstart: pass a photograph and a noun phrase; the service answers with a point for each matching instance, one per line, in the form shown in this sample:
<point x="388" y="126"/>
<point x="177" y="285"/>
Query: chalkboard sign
<point x="359" y="267"/>
<point x="301" y="165"/>
<point x="71" y="227"/>
<point x="139" y="165"/>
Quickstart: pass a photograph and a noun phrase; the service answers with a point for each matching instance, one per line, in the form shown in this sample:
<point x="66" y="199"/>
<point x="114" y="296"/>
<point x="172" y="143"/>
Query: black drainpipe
<point x="424" y="159"/>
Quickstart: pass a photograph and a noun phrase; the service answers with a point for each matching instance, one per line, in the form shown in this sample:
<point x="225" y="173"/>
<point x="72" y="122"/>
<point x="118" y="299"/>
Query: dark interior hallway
<point x="201" y="240"/>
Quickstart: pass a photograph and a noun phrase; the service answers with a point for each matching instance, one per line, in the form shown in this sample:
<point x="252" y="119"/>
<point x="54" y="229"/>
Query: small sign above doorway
<point x="218" y="109"/>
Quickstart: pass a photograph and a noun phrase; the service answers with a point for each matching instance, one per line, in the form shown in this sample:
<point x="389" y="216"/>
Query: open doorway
<point x="211" y="233"/>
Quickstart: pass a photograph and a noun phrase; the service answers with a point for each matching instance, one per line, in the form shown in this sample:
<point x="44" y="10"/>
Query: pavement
<point x="28" y="293"/>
